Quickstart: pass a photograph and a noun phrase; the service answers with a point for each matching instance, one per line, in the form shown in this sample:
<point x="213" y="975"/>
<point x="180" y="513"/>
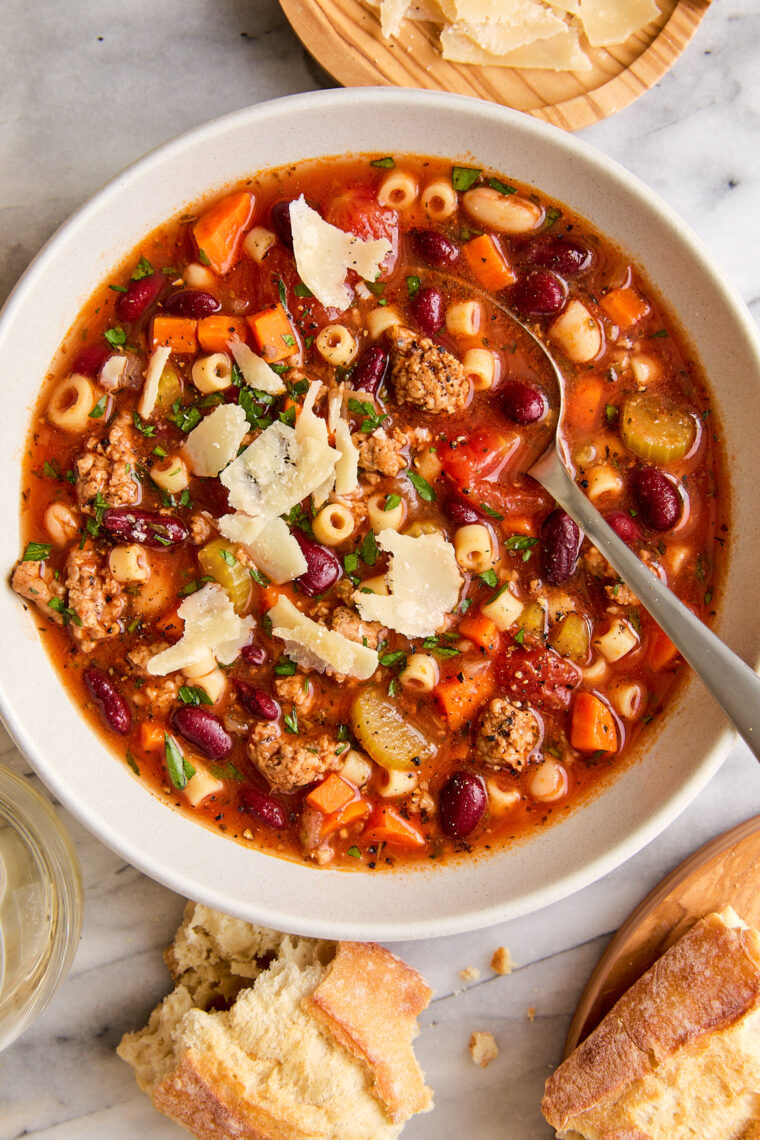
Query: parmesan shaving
<point x="347" y="468"/>
<point x="211" y="625"/>
<point x="149" y="394"/>
<point x="112" y="372"/>
<point x="324" y="254"/>
<point x="255" y="371"/>
<point x="424" y="583"/>
<point x="215" y="441"/>
<point x="561" y="52"/>
<point x="271" y="545"/>
<point x="315" y="647"/>
<point x="611" y="21"/>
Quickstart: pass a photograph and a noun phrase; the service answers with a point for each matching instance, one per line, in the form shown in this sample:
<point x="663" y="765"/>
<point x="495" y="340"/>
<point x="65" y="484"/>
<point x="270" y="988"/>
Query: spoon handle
<point x="735" y="686"/>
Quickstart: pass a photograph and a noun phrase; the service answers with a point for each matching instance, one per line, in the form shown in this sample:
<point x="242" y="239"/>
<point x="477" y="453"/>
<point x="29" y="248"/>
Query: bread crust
<point x="695" y="1015"/>
<point x="370" y="1001"/>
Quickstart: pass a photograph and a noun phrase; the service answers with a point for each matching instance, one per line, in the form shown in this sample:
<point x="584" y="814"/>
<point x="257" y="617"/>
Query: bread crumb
<point x="532" y="1013"/>
<point x="483" y="1049"/>
<point x="501" y="962"/>
<point x="469" y="974"/>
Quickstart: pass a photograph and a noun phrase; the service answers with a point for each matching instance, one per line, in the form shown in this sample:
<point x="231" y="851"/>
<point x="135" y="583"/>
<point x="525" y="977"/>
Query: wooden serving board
<point x="344" y="37"/>
<point x="726" y="871"/>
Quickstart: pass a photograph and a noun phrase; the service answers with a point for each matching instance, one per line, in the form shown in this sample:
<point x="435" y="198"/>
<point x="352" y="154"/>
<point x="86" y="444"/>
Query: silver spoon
<point x="735" y="686"/>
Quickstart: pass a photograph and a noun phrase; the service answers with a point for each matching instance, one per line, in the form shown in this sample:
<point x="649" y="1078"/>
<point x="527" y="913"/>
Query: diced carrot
<point x="459" y="701"/>
<point x="270" y="595"/>
<point x="274" y="335"/>
<point x="331" y="795"/>
<point x="662" y="651"/>
<point x="219" y="230"/>
<point x="584" y="403"/>
<point x="289" y="403"/>
<point x="385" y="825"/>
<point x="480" y="629"/>
<point x="170" y="624"/>
<point x="180" y="334"/>
<point x="349" y="815"/>
<point x="489" y="266"/>
<point x="592" y="728"/>
<point x="152" y="735"/>
<point x="625" y="306"/>
<point x="519" y="524"/>
<point x="215" y="332"/>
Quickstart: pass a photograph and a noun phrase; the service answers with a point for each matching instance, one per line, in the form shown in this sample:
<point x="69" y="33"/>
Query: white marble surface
<point x="86" y="87"/>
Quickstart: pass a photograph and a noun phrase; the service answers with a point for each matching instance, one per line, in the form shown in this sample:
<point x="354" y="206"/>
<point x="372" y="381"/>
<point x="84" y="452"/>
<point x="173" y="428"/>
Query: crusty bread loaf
<point x="268" y="1036"/>
<point x="678" y="1056"/>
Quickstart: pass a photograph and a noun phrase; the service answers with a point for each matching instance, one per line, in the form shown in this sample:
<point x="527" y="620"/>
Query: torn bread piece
<point x="269" y="1036"/>
<point x="678" y="1056"/>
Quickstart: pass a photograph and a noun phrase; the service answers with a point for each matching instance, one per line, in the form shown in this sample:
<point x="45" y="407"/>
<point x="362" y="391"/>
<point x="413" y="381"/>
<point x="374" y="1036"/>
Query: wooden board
<point x="726" y="871"/>
<point x="344" y="37"/>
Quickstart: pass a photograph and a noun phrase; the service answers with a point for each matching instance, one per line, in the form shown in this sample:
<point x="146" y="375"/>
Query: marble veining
<point x="86" y="87"/>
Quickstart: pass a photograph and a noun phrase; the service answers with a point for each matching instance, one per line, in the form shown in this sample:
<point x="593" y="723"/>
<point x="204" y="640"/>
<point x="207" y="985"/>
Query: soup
<point x="277" y="520"/>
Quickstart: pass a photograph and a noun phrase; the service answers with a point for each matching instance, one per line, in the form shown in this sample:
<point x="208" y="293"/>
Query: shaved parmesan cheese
<point x="562" y="52"/>
<point x="111" y="373"/>
<point x="347" y="469"/>
<point x="334" y="406"/>
<point x="525" y="27"/>
<point x="271" y="545"/>
<point x="211" y="626"/>
<point x="149" y="395"/>
<point x="613" y="21"/>
<point x="392" y="13"/>
<point x="315" y="647"/>
<point x="215" y="441"/>
<point x="424" y="583"/>
<point x="324" y="254"/>
<point x="255" y="371"/>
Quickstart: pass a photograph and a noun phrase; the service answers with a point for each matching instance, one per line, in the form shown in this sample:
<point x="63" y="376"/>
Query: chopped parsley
<point x="386" y="163"/>
<point x="228" y="557"/>
<point x="368" y="548"/>
<point x="354" y="852"/>
<point x="194" y="695"/>
<point x="116" y="336"/>
<point x="488" y="577"/>
<point x="501" y="187"/>
<point x="51" y="470"/>
<point x="37" y="552"/>
<point x="373" y="419"/>
<point x="391" y="502"/>
<point x="99" y="408"/>
<point x="281" y="292"/>
<point x="132" y="762"/>
<point x="396" y="659"/>
<point x="523" y="543"/>
<point x="259" y="578"/>
<point x="492" y="514"/>
<point x="147" y="430"/>
<point x="285" y="667"/>
<point x="184" y="417"/>
<point x="203" y="257"/>
<point x="180" y="770"/>
<point x="119" y="288"/>
<point x="142" y="269"/>
<point x="421" y="486"/>
<point x="302" y="290"/>
<point x="413" y="285"/>
<point x="435" y="645"/>
<point x="659" y="333"/>
<point x="290" y="720"/>
<point x="191" y="587"/>
<point x="611" y="413"/>
<point x="66" y="613"/>
<point x="463" y="177"/>
<point x="520" y="636"/>
<point x="552" y="215"/>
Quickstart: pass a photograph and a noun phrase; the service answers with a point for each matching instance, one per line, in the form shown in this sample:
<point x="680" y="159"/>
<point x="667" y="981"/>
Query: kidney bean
<point x="139" y="296"/>
<point x="560" y="545"/>
<point x="656" y="497"/>
<point x="624" y="526"/>
<point x="539" y="293"/>
<point x="371" y="369"/>
<point x="113" y="708"/>
<point x="565" y="255"/>
<point x="427" y="310"/>
<point x="191" y="303"/>
<point x="146" y="527"/>
<point x="522" y="402"/>
<point x="89" y="361"/>
<point x="434" y="247"/>
<point x="256" y="701"/>
<point x="202" y="728"/>
<point x="462" y="801"/>
<point x="323" y="568"/>
<point x="253" y="653"/>
<point x="266" y="809"/>
<point x="461" y="512"/>
<point x="281" y="224"/>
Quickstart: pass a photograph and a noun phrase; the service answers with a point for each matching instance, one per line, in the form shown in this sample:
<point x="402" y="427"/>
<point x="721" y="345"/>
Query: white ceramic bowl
<point x="101" y="791"/>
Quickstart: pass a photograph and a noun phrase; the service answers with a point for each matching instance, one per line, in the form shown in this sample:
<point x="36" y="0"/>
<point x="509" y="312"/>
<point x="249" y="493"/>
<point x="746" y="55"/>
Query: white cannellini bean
<point x="548" y="781"/>
<point x="577" y="333"/>
<point x="504" y="213"/>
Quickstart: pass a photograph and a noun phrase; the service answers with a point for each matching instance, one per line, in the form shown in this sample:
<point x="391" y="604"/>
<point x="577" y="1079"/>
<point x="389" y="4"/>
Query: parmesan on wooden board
<point x="424" y="583"/>
<point x="214" y="443"/>
<point x="561" y="52"/>
<point x="211" y="625"/>
<point x="313" y="646"/>
<point x="324" y="254"/>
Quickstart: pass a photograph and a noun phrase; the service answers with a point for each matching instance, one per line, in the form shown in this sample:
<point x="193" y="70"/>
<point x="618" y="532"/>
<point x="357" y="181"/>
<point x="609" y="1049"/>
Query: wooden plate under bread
<point x="726" y="871"/>
<point x="344" y="37"/>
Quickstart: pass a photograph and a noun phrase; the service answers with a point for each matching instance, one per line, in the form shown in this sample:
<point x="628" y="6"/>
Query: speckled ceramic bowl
<point x="101" y="791"/>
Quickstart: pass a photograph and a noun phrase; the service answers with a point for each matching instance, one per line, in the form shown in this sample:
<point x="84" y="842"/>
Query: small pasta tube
<point x="257" y="243"/>
<point x="420" y="674"/>
<point x="334" y="524"/>
<point x="398" y="189"/>
<point x="212" y="373"/>
<point x="171" y="475"/>
<point x="213" y="684"/>
<point x="439" y="200"/>
<point x="618" y="640"/>
<point x="577" y="333"/>
<point x="356" y="767"/>
<point x="336" y="345"/>
<point x="382" y="518"/>
<point x="463" y="318"/>
<point x="501" y="799"/>
<point x="473" y="548"/>
<point x="381" y="319"/>
<point x="480" y="368"/>
<point x="397" y="783"/>
<point x="129" y="563"/>
<point x="61" y="523"/>
<point x="201" y="668"/>
<point x="503" y="610"/>
<point x="603" y="480"/>
<point x="548" y="781"/>
<point x="595" y="672"/>
<point x="627" y="698"/>
<point x="71" y="403"/>
<point x="201" y="785"/>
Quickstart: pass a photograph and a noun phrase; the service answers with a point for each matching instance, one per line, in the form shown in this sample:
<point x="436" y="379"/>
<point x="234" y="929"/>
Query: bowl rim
<point x="387" y="927"/>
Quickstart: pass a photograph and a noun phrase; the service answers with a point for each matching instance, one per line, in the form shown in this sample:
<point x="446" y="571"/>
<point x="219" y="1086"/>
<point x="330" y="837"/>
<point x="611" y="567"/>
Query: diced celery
<point x="533" y="619"/>
<point x="218" y="559"/>
<point x="571" y="638"/>
<point x="386" y="734"/>
<point x="169" y="387"/>
<point x="654" y="431"/>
